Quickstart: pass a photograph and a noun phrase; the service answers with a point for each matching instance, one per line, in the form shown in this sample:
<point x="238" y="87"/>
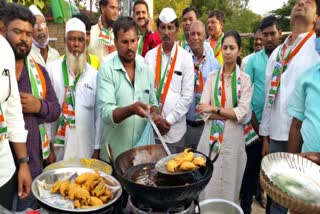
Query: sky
<point x="264" y="6"/>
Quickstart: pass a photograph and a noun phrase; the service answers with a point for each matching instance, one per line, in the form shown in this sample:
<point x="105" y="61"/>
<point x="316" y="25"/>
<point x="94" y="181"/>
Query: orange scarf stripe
<point x="166" y="86"/>
<point x="299" y="46"/>
<point x="1" y="118"/>
<point x="66" y="111"/>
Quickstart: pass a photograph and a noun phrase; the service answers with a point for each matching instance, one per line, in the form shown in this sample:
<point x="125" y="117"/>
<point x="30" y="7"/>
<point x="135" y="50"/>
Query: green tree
<point x="284" y="13"/>
<point x="42" y="4"/>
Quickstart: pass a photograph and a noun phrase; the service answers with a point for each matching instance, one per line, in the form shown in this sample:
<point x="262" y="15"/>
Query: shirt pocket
<point x="176" y="82"/>
<point x="5" y="87"/>
<point x="86" y="95"/>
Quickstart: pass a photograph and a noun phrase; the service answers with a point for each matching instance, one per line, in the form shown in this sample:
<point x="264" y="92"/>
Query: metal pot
<point x="160" y="197"/>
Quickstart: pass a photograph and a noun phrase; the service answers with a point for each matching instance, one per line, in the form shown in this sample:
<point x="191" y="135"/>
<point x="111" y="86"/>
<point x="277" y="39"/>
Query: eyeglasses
<point x="40" y="25"/>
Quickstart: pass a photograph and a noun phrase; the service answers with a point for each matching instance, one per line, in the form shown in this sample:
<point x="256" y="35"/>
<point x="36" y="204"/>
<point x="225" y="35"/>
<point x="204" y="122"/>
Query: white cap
<point x="167" y="15"/>
<point x="35" y="10"/>
<point x="75" y="24"/>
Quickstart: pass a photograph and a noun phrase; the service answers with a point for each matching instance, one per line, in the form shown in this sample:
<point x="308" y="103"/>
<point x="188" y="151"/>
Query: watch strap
<point x="23" y="160"/>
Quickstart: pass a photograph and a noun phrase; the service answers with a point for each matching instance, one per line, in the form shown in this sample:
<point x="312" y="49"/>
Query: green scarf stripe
<point x="33" y="81"/>
<point x="234" y="88"/>
<point x="216" y="89"/>
<point x="3" y="130"/>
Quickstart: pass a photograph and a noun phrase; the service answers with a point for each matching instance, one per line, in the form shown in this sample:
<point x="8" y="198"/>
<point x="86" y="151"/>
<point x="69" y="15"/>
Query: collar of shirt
<point x="194" y="58"/>
<point x="117" y="64"/>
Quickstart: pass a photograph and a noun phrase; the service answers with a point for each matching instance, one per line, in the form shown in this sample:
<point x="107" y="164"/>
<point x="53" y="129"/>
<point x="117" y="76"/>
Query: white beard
<point x="76" y="63"/>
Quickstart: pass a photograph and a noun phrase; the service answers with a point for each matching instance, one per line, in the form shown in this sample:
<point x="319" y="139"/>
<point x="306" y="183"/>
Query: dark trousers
<point x="7" y="193"/>
<point x="272" y="206"/>
<point x="251" y="175"/>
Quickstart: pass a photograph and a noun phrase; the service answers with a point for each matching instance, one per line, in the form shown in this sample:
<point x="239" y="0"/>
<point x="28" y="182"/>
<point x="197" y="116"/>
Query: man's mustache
<point x="22" y="44"/>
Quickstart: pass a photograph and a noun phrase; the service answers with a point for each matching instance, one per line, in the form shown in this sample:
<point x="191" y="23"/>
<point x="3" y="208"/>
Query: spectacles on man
<point x="40" y="25"/>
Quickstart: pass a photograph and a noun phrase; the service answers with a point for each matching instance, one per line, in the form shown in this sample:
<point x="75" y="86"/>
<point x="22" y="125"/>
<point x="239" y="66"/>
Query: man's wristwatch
<point x="219" y="109"/>
<point x="23" y="160"/>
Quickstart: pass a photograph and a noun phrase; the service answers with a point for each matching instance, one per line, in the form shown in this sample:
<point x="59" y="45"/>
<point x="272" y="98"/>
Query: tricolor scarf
<point x="39" y="90"/>
<point x="105" y="35"/>
<point x="68" y="116"/>
<point x="3" y="126"/>
<point x="281" y="64"/>
<point x="141" y="42"/>
<point x="217" y="50"/>
<point x="162" y="81"/>
<point x="183" y="42"/>
<point x="217" y="126"/>
<point x="198" y="83"/>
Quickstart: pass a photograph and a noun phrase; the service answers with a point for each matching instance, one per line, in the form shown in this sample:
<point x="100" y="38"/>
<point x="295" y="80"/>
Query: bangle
<point x="23" y="160"/>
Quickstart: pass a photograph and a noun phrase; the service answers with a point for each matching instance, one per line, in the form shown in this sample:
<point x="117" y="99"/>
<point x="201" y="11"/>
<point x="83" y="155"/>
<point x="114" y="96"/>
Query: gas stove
<point x="134" y="208"/>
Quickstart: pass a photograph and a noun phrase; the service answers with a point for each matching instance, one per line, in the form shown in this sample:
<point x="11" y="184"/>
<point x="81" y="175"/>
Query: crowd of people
<point x="119" y="71"/>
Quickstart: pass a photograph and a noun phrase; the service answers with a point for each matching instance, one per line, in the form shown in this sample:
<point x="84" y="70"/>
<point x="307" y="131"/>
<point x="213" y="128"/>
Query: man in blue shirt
<point x="304" y="132"/>
<point x="204" y="63"/>
<point x="256" y="68"/>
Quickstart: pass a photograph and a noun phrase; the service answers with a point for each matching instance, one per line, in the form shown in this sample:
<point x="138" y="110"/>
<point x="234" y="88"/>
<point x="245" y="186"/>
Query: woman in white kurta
<point x="229" y="167"/>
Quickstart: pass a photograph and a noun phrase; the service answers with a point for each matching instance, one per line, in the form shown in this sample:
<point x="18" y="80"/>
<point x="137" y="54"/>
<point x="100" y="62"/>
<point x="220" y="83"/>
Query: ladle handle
<point x="210" y="152"/>
<point x="155" y="128"/>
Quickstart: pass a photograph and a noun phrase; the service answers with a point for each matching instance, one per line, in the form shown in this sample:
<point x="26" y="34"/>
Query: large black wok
<point x="161" y="197"/>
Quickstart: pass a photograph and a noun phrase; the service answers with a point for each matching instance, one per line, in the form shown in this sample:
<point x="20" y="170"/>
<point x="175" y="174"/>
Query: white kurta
<point x="80" y="141"/>
<point x="96" y="47"/>
<point x="53" y="55"/>
<point x="229" y="167"/>
<point x="12" y="111"/>
<point x="180" y="91"/>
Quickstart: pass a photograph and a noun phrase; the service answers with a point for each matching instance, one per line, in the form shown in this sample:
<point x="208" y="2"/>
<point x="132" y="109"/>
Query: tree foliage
<point x="237" y="14"/>
<point x="284" y="13"/>
<point x="42" y="4"/>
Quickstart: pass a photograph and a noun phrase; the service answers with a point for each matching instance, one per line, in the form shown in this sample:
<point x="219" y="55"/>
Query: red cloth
<point x="151" y="40"/>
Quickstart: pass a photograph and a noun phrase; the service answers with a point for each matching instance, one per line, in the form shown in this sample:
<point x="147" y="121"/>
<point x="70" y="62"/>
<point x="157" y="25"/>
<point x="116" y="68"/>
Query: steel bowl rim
<point x="118" y="193"/>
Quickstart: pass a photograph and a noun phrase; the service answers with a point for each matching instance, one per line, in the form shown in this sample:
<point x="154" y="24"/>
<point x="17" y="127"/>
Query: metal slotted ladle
<point x="161" y="164"/>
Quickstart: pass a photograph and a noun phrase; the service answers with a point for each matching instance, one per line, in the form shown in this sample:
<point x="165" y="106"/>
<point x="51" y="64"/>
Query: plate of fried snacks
<point x="76" y="189"/>
<point x="181" y="163"/>
<point x="292" y="181"/>
<point x="82" y="162"/>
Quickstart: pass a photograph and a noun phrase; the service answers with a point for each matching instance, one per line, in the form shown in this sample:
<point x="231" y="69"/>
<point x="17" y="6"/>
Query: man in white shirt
<point x="41" y="51"/>
<point x="11" y="129"/>
<point x="174" y="78"/>
<point x="285" y="65"/>
<point x="101" y="35"/>
<point x="74" y="81"/>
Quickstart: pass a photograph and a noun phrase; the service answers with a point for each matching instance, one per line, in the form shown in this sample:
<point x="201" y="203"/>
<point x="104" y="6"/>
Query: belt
<point x="195" y="123"/>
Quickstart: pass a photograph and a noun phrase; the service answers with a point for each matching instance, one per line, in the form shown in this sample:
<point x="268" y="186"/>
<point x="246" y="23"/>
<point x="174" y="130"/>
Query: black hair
<point x="15" y="11"/>
<point x="218" y="14"/>
<point x="85" y="19"/>
<point x="125" y="23"/>
<point x="237" y="37"/>
<point x="140" y="2"/>
<point x="176" y="22"/>
<point x="104" y="3"/>
<point x="189" y="9"/>
<point x="269" y="21"/>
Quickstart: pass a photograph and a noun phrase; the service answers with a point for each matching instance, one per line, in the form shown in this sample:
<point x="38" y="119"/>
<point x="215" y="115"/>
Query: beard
<point x="76" y="62"/>
<point x="20" y="54"/>
<point x="109" y="22"/>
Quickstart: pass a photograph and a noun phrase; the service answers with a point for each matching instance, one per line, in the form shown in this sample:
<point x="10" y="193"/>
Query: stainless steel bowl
<point x="49" y="177"/>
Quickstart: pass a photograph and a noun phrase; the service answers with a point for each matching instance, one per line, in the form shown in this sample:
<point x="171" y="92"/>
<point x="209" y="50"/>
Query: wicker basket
<point x="284" y="199"/>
